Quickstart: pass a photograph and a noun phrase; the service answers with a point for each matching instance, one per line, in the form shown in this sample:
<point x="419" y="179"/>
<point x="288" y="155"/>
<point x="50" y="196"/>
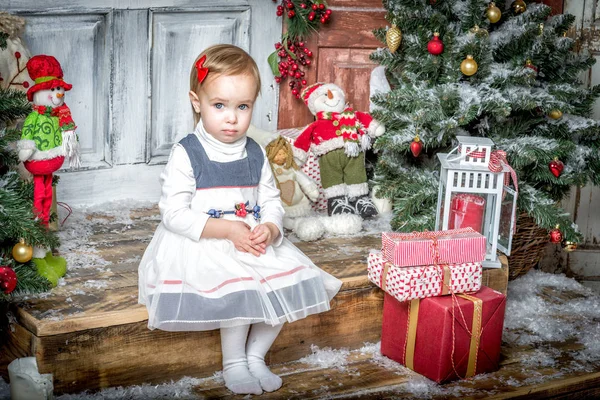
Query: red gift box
<point x="407" y="283"/>
<point x="466" y="210"/>
<point x="433" y="336"/>
<point x="453" y="246"/>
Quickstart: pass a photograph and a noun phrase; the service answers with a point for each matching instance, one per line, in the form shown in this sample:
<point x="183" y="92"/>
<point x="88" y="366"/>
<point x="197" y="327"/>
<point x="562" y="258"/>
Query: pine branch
<point x="13" y="105"/>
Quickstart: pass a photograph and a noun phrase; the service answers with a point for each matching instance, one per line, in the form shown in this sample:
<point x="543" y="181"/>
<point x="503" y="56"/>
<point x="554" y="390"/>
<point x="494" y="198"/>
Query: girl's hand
<point x="240" y="235"/>
<point x="264" y="235"/>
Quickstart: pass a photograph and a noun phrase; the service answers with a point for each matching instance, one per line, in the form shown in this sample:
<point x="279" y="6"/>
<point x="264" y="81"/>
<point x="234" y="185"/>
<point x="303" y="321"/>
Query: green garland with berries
<point x="291" y="56"/>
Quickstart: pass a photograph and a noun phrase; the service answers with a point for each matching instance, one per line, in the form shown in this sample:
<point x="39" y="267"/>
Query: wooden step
<point x="366" y="374"/>
<point x="92" y="334"/>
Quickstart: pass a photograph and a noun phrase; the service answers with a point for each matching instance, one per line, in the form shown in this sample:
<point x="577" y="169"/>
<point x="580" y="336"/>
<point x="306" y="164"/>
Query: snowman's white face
<point x="332" y="99"/>
<point x="53" y="97"/>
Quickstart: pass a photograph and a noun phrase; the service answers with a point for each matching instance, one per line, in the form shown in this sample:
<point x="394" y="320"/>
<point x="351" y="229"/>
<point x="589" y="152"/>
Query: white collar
<point x="237" y="147"/>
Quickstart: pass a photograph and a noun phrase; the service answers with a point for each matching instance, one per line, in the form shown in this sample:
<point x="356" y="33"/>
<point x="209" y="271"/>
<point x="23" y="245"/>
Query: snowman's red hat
<point x="46" y="72"/>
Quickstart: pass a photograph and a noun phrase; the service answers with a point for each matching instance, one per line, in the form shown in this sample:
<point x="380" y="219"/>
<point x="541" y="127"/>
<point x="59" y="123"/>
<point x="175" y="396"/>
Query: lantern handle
<point x="459" y="156"/>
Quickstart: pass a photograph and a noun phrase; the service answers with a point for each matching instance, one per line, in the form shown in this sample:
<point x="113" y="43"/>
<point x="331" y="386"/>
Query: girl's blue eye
<point x="243" y="106"/>
<point x="218" y="106"/>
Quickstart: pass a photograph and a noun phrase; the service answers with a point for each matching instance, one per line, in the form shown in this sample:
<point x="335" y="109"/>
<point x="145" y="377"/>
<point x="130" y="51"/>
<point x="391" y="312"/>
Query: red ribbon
<point x="202" y="71"/>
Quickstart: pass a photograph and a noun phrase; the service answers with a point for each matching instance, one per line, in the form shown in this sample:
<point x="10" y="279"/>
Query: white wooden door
<point x="585" y="202"/>
<point x="129" y="63"/>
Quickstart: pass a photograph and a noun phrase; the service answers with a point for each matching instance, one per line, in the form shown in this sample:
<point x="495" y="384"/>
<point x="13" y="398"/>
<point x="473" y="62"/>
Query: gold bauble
<point x="569" y="246"/>
<point x="493" y="13"/>
<point x="518" y="7"/>
<point x="468" y="66"/>
<point x="555" y="114"/>
<point x="476" y="30"/>
<point x="393" y="37"/>
<point x="22" y="252"/>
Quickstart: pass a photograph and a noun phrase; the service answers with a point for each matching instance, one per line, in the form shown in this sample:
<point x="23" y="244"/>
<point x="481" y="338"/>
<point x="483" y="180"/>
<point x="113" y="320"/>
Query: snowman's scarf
<point x="351" y="129"/>
<point x="70" y="142"/>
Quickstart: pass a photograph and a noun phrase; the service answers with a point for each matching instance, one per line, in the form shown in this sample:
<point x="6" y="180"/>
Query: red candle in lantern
<point x="466" y="210"/>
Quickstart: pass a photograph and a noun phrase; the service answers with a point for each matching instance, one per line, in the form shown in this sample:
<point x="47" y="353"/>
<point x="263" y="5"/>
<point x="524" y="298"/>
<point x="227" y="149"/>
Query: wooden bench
<point x="92" y="334"/>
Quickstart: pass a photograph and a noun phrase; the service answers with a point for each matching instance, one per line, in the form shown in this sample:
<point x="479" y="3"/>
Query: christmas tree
<point x="20" y="230"/>
<point x="467" y="68"/>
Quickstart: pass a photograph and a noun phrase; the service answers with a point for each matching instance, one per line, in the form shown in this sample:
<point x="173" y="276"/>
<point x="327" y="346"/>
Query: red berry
<point x="323" y="20"/>
<point x="279" y="8"/>
<point x="289" y="58"/>
<point x="303" y="82"/>
<point x="294" y="92"/>
<point x="277" y="46"/>
<point x="291" y="14"/>
<point x="25" y="85"/>
<point x="301" y="44"/>
<point x="303" y="5"/>
<point x="278" y="79"/>
<point x="291" y="84"/>
<point x="309" y="53"/>
<point x="294" y="67"/>
<point x="297" y="75"/>
<point x="17" y="54"/>
<point x="279" y="13"/>
<point x="292" y="48"/>
<point x="321" y="6"/>
<point x="290" y="5"/>
<point x="328" y="12"/>
<point x="311" y="16"/>
<point x="307" y="62"/>
<point x="302" y="74"/>
<point x="315" y="7"/>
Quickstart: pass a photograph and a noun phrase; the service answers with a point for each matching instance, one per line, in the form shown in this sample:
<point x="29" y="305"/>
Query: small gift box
<point x="455" y="246"/>
<point x="407" y="283"/>
<point x="445" y="338"/>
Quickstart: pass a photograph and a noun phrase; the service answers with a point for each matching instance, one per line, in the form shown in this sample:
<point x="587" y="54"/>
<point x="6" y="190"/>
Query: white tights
<point x="244" y="369"/>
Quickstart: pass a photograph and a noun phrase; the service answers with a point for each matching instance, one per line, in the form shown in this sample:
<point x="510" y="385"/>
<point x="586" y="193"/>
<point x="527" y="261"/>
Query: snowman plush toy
<point x="338" y="138"/>
<point x="47" y="138"/>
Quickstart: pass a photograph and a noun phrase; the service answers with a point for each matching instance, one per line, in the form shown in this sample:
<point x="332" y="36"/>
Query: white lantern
<point x="470" y="194"/>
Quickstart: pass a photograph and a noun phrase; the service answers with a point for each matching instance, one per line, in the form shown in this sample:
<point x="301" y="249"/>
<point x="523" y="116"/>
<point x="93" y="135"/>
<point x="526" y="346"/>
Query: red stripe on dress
<point x="234" y="280"/>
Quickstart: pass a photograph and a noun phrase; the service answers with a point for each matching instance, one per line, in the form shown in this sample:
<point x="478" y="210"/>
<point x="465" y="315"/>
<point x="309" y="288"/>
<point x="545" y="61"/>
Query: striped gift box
<point x="453" y="246"/>
<point x="310" y="167"/>
<point x="408" y="283"/>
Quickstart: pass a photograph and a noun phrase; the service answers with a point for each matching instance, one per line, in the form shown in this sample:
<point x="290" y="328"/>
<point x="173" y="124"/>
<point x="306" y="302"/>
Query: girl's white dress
<point x="189" y="283"/>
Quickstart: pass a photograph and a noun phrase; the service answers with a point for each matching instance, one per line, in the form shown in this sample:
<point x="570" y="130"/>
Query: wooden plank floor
<point x="91" y="333"/>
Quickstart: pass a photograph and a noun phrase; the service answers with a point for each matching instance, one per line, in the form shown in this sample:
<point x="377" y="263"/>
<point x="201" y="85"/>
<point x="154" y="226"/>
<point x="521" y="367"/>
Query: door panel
<point x="177" y="39"/>
<point x="350" y="69"/>
<point x="79" y="43"/>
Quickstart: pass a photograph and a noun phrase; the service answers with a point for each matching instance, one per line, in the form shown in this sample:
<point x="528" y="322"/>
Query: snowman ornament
<point x="338" y="138"/>
<point x="48" y="134"/>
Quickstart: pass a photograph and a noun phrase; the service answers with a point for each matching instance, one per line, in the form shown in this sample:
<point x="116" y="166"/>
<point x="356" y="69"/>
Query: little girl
<point x="218" y="258"/>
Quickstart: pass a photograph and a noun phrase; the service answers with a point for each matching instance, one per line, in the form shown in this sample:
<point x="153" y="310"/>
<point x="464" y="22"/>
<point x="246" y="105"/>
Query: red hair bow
<point x="202" y="71"/>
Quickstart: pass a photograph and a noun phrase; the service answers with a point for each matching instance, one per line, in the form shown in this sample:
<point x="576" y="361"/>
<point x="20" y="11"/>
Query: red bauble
<point x="416" y="146"/>
<point x="435" y="45"/>
<point x="8" y="279"/>
<point x="556" y="235"/>
<point x="556" y="167"/>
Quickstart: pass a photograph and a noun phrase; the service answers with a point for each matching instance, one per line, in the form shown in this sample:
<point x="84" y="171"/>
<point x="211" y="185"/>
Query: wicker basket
<point x="527" y="246"/>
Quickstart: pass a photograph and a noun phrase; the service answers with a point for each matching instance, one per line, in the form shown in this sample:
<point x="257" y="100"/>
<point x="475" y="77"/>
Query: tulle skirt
<point x="208" y="284"/>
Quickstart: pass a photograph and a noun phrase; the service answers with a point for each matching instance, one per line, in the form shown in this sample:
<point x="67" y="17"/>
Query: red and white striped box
<point x="310" y="167"/>
<point x="408" y="283"/>
<point x="453" y="246"/>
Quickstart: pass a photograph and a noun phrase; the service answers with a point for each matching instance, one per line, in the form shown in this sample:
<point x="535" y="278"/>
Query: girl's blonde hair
<point x="224" y="59"/>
